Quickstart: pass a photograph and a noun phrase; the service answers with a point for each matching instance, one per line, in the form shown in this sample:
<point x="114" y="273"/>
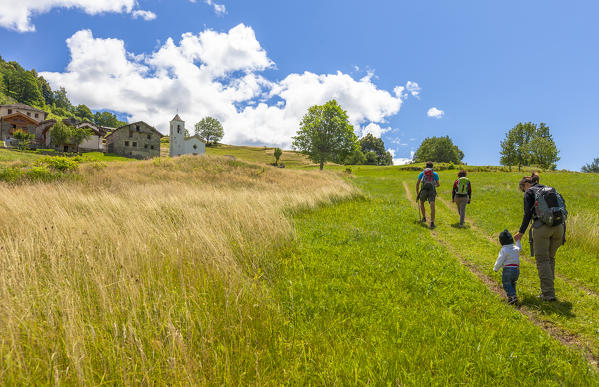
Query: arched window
<point x="178" y="128"/>
<point x="195" y="146"/>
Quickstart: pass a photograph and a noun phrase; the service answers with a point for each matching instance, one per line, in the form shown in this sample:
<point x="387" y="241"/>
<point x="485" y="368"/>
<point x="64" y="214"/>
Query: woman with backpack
<point x="461" y="194"/>
<point x="547" y="210"/>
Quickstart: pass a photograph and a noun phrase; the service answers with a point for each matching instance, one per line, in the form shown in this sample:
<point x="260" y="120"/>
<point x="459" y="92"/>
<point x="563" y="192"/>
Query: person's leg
<point x="515" y="279"/>
<point x="556" y="240"/>
<point x="541" y="242"/>
<point x="422" y="208"/>
<point x="507" y="280"/>
<point x="432" y="202"/>
<point x="462" y="201"/>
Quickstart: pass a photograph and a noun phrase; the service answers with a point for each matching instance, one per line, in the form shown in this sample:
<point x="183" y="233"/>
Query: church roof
<point x="177" y="118"/>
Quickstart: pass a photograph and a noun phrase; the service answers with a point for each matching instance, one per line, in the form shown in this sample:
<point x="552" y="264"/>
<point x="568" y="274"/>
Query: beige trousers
<point x="546" y="241"/>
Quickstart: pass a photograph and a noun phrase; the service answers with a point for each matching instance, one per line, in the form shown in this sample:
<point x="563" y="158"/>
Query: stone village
<point x="136" y="140"/>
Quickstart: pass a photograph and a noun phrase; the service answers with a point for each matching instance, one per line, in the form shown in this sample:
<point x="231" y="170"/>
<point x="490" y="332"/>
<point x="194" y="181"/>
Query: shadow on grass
<point x="563" y="308"/>
<point x="421" y="224"/>
<point x="457" y="225"/>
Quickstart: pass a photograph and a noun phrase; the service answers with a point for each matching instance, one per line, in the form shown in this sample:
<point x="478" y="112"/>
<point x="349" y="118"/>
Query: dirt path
<point x="528" y="258"/>
<point x="560" y="334"/>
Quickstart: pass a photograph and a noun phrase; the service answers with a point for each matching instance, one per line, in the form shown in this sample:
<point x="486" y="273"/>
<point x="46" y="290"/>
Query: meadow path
<point x="480" y="268"/>
<point x="372" y="297"/>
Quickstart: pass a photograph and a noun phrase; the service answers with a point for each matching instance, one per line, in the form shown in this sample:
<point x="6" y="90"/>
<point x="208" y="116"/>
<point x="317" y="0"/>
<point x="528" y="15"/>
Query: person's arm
<point x="469" y="192"/>
<point x="417" y="187"/>
<point x="437" y="178"/>
<point x="529" y="202"/>
<point x="499" y="262"/>
<point x="453" y="191"/>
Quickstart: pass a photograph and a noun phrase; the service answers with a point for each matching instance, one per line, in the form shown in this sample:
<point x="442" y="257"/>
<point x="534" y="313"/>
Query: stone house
<point x="138" y="140"/>
<point x="19" y="116"/>
<point x="93" y="144"/>
<point x="182" y="145"/>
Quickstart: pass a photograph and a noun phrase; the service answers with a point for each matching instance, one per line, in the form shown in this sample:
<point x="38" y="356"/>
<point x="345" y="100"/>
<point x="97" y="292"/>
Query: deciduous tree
<point x="369" y="143"/>
<point x="528" y="144"/>
<point x="277" y="153"/>
<point x="325" y="134"/>
<point x="210" y="129"/>
<point x="592" y="167"/>
<point x="438" y="149"/>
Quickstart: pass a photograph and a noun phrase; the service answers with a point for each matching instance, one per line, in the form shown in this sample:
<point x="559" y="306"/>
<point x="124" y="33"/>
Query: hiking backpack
<point x="463" y="183"/>
<point x="428" y="180"/>
<point x="549" y="206"/>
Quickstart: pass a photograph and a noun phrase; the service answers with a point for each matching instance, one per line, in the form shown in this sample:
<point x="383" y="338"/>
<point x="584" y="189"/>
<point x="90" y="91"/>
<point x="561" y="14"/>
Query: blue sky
<point x="256" y="65"/>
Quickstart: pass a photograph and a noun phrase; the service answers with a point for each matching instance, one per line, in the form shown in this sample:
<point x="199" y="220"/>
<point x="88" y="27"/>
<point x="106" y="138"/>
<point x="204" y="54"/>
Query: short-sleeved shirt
<point x="435" y="175"/>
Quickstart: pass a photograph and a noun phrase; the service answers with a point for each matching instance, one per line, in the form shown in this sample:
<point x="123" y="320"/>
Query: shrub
<point x="40" y="173"/>
<point x="61" y="164"/>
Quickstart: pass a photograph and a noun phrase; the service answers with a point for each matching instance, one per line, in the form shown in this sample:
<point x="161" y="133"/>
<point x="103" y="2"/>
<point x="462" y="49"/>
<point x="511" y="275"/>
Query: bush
<point x="40" y="173"/>
<point x="60" y="164"/>
<point x="10" y="174"/>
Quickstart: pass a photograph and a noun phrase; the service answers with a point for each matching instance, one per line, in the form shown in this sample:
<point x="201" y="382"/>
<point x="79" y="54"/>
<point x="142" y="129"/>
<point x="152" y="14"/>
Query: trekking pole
<point x="418" y="205"/>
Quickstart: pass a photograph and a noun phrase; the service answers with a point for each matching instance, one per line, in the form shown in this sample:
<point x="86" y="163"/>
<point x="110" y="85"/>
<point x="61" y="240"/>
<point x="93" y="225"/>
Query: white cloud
<point x="219" y="9"/>
<point x="402" y="160"/>
<point x="435" y="113"/>
<point x="413" y="88"/>
<point x="146" y="15"/>
<point x="215" y="74"/>
<point x="374" y="129"/>
<point x="16" y="14"/>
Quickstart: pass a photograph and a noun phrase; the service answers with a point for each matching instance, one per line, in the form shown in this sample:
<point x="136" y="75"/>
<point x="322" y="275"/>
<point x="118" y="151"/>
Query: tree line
<point x="18" y="85"/>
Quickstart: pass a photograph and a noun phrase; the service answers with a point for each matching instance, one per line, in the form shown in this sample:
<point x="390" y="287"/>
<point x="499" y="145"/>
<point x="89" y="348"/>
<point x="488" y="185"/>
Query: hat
<point x="505" y="238"/>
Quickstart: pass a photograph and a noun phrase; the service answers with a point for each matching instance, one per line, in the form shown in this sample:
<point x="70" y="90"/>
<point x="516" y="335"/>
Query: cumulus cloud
<point x="217" y="74"/>
<point x="16" y="15"/>
<point x="146" y="15"/>
<point x="374" y="129"/>
<point x="435" y="113"/>
<point x="402" y="160"/>
<point x="413" y="88"/>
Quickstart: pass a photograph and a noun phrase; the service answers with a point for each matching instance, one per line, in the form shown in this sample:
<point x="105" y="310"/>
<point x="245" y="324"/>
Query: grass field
<point x="208" y="270"/>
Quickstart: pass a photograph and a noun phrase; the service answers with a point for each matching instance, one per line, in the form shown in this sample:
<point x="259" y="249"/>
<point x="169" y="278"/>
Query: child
<point x="461" y="194"/>
<point x="509" y="259"/>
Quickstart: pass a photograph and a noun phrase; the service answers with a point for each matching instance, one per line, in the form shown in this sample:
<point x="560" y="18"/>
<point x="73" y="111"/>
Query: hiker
<point x="547" y="210"/>
<point x="426" y="190"/>
<point x="509" y="260"/>
<point x="461" y="194"/>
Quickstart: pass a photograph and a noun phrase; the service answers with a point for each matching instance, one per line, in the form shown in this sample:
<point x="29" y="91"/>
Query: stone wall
<point x="138" y="140"/>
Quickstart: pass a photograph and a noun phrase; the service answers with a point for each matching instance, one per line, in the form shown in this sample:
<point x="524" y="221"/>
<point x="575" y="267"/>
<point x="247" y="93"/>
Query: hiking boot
<point x="543" y="298"/>
<point x="512" y="300"/>
<point x="423" y="220"/>
<point x="432" y="225"/>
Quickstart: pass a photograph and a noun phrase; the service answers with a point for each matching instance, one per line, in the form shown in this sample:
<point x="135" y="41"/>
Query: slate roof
<point x="23" y="106"/>
<point x="177" y="118"/>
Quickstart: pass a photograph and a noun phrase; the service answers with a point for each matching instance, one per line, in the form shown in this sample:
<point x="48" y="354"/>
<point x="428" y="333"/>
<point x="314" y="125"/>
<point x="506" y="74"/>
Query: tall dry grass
<point x="148" y="272"/>
<point x="583" y="230"/>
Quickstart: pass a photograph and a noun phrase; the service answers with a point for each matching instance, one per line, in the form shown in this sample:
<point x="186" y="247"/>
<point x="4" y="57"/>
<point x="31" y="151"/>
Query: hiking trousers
<point x="546" y="241"/>
<point x="461" y="201"/>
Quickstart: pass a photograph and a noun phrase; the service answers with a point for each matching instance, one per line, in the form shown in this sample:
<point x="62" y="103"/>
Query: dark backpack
<point x="428" y="180"/>
<point x="550" y="207"/>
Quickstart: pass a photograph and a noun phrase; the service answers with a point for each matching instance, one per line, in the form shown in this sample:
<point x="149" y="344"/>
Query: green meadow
<point x="216" y="271"/>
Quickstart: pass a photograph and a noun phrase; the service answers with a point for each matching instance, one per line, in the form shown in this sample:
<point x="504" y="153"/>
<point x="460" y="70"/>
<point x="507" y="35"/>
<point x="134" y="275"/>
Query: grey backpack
<point x="550" y="207"/>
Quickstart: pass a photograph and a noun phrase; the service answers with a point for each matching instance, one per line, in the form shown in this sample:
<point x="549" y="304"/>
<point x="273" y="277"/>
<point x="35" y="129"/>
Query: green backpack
<point x="463" y="183"/>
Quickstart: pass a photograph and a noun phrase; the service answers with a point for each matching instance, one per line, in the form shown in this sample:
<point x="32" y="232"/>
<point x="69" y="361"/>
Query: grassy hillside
<point x="147" y="271"/>
<point x="208" y="270"/>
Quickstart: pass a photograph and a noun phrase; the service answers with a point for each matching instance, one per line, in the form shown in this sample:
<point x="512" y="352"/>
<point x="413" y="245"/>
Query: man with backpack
<point x="461" y="194"/>
<point x="547" y="210"/>
<point x="426" y="190"/>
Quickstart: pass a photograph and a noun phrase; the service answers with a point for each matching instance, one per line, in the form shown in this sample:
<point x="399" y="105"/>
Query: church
<point x="182" y="145"/>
